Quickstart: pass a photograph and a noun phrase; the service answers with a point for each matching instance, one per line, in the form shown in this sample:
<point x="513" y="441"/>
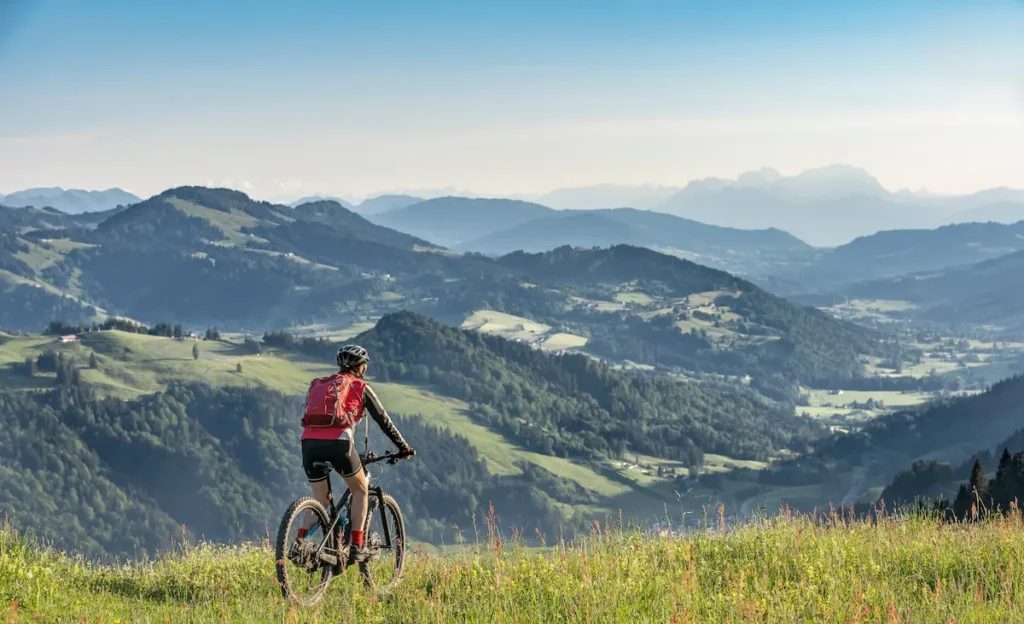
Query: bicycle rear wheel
<point x="385" y="539"/>
<point x="302" y="574"/>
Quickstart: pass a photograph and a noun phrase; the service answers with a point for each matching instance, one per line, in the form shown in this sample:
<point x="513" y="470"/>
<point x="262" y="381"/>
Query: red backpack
<point x="325" y="402"/>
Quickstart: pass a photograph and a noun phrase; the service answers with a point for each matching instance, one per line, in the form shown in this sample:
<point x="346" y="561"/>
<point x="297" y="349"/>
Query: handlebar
<point x="389" y="457"/>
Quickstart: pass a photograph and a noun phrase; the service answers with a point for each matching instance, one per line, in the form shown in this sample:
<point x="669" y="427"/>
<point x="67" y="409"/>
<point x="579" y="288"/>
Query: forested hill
<point x="622" y="263"/>
<point x="573" y="406"/>
<point x="114" y="477"/>
<point x="984" y="293"/>
<point x="22" y="219"/>
<point x="217" y="214"/>
<point x="340" y="219"/>
<point x="949" y="431"/>
<point x="728" y="324"/>
<point x="213" y="256"/>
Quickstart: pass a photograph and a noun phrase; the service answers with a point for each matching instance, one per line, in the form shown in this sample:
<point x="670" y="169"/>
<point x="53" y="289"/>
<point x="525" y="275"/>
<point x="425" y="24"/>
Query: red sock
<point x="357" y="538"/>
<point x="301" y="533"/>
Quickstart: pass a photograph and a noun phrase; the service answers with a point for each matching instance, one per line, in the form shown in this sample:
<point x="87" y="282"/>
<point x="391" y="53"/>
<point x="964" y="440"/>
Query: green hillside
<point x="909" y="570"/>
<point x="130" y="367"/>
<point x="649" y="308"/>
<point x="213" y="257"/>
<point x="950" y="431"/>
<point x="983" y="294"/>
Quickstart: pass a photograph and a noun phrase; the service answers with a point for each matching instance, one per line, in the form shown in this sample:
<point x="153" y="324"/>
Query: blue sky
<point x="357" y="97"/>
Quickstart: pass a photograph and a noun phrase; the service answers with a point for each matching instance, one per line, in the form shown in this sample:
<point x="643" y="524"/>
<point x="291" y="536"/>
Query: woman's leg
<point x="313" y="451"/>
<point x="360" y="488"/>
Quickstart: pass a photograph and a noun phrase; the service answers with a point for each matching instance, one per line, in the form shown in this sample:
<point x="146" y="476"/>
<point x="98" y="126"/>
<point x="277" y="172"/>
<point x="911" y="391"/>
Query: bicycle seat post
<point x="330" y="493"/>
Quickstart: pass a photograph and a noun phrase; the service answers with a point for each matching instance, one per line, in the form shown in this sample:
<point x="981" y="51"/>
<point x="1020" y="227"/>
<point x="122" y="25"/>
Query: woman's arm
<point x="380" y="416"/>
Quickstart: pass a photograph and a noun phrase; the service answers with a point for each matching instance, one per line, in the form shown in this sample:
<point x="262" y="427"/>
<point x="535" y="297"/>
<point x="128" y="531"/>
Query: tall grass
<point x="789" y="568"/>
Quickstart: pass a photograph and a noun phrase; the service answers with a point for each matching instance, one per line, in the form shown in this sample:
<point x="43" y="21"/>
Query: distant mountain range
<point x="453" y="221"/>
<point x="384" y="203"/>
<point x="899" y="252"/>
<point x="372" y="205"/>
<point x="772" y="257"/>
<point x="832" y="205"/>
<point x="70" y="201"/>
<point x="825" y="206"/>
<point x="500" y="226"/>
<point x="646" y="197"/>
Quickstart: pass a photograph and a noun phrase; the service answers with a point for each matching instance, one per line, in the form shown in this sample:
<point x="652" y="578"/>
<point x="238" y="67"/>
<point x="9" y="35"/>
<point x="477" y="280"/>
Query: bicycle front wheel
<point x="385" y="540"/>
<point x="301" y="572"/>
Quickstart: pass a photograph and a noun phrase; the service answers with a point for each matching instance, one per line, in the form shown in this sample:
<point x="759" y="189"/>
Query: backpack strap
<point x="343" y="394"/>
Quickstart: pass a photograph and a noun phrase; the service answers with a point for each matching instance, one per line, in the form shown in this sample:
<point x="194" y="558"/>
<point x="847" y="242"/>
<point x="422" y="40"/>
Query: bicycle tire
<point x="397" y="530"/>
<point x="281" y="562"/>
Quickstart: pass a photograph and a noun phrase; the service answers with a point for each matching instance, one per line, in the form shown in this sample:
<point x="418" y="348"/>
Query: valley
<point x="753" y="388"/>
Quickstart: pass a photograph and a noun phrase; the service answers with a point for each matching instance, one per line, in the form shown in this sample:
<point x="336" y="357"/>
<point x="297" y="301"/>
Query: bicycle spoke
<point x="302" y="573"/>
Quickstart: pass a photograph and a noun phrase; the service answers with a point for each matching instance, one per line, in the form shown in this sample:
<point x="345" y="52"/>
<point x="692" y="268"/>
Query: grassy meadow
<point x="786" y="569"/>
<point x="521" y="328"/>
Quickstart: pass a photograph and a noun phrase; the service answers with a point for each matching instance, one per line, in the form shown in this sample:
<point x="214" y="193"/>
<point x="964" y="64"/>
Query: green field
<point x="501" y="454"/>
<point x="130" y="365"/>
<point x="890" y="397"/>
<point x="334" y="332"/>
<point x="899" y="570"/>
<point x="879" y="310"/>
<point x="559" y="341"/>
<point x="721" y="463"/>
<point x="520" y="328"/>
<point x="230" y="223"/>
<point x="635" y="298"/>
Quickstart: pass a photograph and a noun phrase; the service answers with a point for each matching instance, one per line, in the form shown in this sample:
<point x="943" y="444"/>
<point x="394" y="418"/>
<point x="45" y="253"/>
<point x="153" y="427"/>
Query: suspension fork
<point x="377" y="495"/>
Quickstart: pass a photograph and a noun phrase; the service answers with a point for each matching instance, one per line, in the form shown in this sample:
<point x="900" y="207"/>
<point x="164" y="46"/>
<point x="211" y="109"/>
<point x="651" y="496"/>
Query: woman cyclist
<point x="335" y="444"/>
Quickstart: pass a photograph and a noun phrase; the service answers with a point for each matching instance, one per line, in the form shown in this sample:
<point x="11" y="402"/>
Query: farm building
<point x="68" y="338"/>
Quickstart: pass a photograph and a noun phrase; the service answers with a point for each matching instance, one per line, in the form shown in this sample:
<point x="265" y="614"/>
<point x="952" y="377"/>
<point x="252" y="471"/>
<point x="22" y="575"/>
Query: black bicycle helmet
<point x="351" y="356"/>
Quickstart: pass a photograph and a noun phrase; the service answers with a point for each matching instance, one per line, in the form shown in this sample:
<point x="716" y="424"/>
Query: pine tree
<point x="195" y="351"/>
<point x="962" y="503"/>
<point x="238" y="369"/>
<point x="30" y="367"/>
<point x="93" y="363"/>
<point x="979" y="483"/>
<point x="999" y="490"/>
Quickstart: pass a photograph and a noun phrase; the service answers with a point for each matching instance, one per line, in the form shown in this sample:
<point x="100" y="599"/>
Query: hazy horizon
<point x="333" y="99"/>
<point x="459" y="191"/>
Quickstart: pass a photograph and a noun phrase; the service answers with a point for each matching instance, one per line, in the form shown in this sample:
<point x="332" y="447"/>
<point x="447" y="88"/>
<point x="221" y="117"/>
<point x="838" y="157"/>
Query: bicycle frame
<point x="375" y="493"/>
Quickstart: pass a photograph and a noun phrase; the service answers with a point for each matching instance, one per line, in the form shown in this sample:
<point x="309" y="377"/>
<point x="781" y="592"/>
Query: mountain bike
<point x="306" y="566"/>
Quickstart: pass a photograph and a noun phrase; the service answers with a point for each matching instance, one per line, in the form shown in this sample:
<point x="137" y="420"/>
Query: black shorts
<point x="340" y="453"/>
